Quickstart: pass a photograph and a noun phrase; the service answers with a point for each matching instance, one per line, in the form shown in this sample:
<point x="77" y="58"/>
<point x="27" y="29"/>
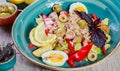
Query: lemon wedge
<point x="41" y="37"/>
<point x="29" y="1"/>
<point x="16" y="1"/>
<point x="33" y="41"/>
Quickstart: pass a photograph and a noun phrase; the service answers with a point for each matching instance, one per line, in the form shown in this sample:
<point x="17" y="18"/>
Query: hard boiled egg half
<point x="78" y="7"/>
<point x="54" y="58"/>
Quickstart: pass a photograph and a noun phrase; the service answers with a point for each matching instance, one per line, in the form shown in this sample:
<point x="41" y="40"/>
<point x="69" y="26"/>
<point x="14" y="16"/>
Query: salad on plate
<point x="69" y="36"/>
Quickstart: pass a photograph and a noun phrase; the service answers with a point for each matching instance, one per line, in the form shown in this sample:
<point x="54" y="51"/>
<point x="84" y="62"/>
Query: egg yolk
<point x="80" y="8"/>
<point x="56" y="57"/>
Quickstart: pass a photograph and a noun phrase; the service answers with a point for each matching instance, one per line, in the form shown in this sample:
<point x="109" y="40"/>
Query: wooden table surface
<point x="23" y="64"/>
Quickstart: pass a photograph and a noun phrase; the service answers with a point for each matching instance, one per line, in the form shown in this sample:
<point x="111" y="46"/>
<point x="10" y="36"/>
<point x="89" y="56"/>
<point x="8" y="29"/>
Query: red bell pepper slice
<point x="71" y="52"/>
<point x="71" y="47"/>
<point x="104" y="50"/>
<point x="80" y="55"/>
<point x="47" y="31"/>
<point x="71" y="62"/>
<point x="94" y="16"/>
<point x="31" y="45"/>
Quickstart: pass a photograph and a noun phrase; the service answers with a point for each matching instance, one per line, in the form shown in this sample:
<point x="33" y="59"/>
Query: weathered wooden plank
<point x="22" y="64"/>
<point x="5" y="36"/>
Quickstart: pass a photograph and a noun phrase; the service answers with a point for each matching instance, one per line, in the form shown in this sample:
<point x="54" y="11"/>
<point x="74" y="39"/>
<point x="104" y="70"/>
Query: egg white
<point x="75" y="5"/>
<point x="47" y="60"/>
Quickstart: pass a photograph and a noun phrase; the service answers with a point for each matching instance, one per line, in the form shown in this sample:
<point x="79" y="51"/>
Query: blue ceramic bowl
<point x="26" y="21"/>
<point x="6" y="66"/>
<point x="20" y="6"/>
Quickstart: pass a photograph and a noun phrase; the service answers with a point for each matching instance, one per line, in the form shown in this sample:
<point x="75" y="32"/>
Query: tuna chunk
<point x="70" y="34"/>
